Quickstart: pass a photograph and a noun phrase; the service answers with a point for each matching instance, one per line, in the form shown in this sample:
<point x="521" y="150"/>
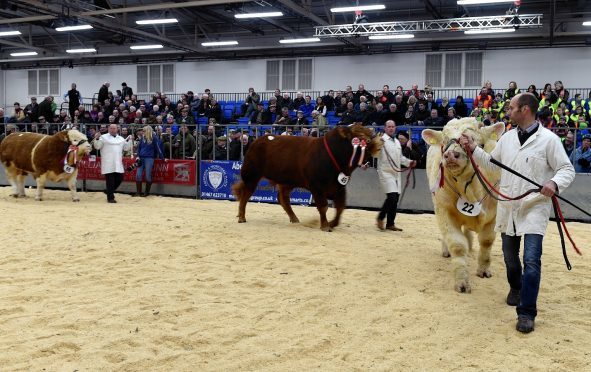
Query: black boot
<point x="138" y="189"/>
<point x="148" y="187"/>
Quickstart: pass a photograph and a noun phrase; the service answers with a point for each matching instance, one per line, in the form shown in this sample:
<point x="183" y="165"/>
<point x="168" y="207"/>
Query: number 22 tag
<point x="467" y="208"/>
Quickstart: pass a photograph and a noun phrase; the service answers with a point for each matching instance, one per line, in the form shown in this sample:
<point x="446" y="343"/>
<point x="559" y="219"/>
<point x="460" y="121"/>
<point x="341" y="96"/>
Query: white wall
<point x="526" y="66"/>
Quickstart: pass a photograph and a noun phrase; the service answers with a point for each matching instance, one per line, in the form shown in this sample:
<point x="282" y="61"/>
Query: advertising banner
<point x="218" y="176"/>
<point x="177" y="172"/>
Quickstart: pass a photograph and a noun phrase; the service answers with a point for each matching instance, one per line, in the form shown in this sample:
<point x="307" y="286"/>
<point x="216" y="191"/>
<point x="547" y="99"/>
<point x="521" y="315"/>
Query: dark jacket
<point x="103" y="94"/>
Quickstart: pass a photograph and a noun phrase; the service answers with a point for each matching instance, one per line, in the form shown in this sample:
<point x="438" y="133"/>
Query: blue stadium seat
<point x="202" y="120"/>
<point x="243" y="121"/>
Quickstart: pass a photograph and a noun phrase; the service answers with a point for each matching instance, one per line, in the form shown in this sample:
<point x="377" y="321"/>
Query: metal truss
<point x="437" y="25"/>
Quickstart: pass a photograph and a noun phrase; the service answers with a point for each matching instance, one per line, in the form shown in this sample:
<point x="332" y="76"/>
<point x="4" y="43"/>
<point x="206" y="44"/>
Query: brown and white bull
<point x="461" y="204"/>
<point x="45" y="157"/>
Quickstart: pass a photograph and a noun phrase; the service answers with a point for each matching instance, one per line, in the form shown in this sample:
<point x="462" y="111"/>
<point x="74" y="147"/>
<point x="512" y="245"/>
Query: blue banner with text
<point x="218" y="176"/>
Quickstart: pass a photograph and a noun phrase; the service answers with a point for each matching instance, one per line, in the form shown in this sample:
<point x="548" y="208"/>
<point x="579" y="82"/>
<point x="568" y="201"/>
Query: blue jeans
<point x="527" y="280"/>
<point x="147" y="164"/>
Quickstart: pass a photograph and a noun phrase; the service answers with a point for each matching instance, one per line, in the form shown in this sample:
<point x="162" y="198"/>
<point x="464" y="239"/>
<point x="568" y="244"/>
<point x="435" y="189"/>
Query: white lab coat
<point x="541" y="158"/>
<point x="112" y="152"/>
<point x="391" y="180"/>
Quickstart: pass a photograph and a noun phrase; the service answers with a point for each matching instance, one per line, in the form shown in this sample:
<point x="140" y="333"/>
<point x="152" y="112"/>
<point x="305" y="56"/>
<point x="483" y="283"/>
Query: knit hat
<point x="404" y="134"/>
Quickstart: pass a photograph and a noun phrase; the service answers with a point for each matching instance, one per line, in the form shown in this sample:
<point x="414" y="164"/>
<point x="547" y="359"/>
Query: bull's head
<point x="374" y="143"/>
<point x="74" y="138"/>
<point x="454" y="157"/>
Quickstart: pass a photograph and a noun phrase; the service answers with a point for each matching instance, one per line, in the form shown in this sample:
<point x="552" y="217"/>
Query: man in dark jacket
<point x="45" y="109"/>
<point x="103" y="93"/>
<point x="126" y="91"/>
<point x="362" y="92"/>
<point x="74" y="99"/>
<point x="32" y="110"/>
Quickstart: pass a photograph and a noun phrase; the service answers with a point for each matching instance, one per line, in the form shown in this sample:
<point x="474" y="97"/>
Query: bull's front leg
<point x="73" y="187"/>
<point x="20" y="184"/>
<point x="486" y="238"/>
<point x="457" y="243"/>
<point x="339" y="201"/>
<point x="40" y="187"/>
<point x="322" y="206"/>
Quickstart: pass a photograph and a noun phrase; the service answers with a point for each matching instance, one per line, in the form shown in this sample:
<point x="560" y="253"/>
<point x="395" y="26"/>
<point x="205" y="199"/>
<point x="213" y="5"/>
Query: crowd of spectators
<point x="411" y="109"/>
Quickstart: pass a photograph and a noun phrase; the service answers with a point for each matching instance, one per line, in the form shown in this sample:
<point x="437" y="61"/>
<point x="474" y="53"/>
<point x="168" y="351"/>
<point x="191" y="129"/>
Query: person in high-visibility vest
<point x="512" y="91"/>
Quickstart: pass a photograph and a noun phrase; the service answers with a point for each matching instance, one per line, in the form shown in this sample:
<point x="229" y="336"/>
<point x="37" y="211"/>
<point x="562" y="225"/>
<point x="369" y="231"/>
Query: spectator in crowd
<point x="559" y="89"/>
<point x="388" y="96"/>
<point x="126" y="91"/>
<point x="361" y="92"/>
<point x="412" y="92"/>
<point x="341" y="107"/>
<point x="349" y="116"/>
<point x="376" y="116"/>
<point x="442" y="109"/>
<point x="45" y="108"/>
<point x="298" y="102"/>
<point x="32" y="110"/>
<point x="434" y="120"/>
<point x="112" y="146"/>
<point x="271" y="114"/>
<point x="410" y="149"/>
<point x="532" y="89"/>
<point x="300" y="121"/>
<point x="185" y="118"/>
<point x="74" y="99"/>
<point x="19" y="114"/>
<point x="431" y="104"/>
<point x="10" y="128"/>
<point x="204" y="105"/>
<point x="239" y="144"/>
<point x="260" y="116"/>
<point x="278" y="97"/>
<point x="221" y="148"/>
<point x="184" y="143"/>
<point x="148" y="148"/>
<point x="409" y="115"/>
<point x="250" y="103"/>
<point x="215" y="111"/>
<point x="483" y="98"/>
<point x="319" y="123"/>
<point x="320" y="107"/>
<point x="329" y="101"/>
<point x="581" y="157"/>
<point x="512" y="91"/>
<point x="489" y="89"/>
<point x="283" y="119"/>
<point x="422" y="113"/>
<point x="308" y="106"/>
<point x="460" y="107"/>
<point x="286" y="101"/>
<point x="103" y="93"/>
<point x="569" y="144"/>
<point x="451" y="114"/>
<point x="389" y="166"/>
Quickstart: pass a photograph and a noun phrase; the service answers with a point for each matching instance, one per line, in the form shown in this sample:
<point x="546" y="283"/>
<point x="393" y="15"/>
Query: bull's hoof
<point x="483" y="272"/>
<point x="76" y="200"/>
<point x="14" y="195"/>
<point x="326" y="228"/>
<point x="38" y="198"/>
<point x="463" y="287"/>
<point x="21" y="196"/>
<point x="333" y="224"/>
<point x="294" y="220"/>
<point x="241" y="220"/>
<point x="445" y="254"/>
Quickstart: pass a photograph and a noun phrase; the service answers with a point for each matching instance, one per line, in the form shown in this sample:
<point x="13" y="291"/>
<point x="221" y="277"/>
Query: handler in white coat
<point x="537" y="153"/>
<point x="112" y="146"/>
<point x="390" y="163"/>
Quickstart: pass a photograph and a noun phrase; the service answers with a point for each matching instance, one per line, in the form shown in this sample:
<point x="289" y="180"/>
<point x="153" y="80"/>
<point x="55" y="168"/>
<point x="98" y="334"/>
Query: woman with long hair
<point x="148" y="148"/>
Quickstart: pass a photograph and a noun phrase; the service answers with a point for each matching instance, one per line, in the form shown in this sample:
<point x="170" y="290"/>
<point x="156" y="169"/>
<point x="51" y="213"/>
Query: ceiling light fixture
<point x="258" y="15"/>
<point x="219" y="43"/>
<point x="388" y="37"/>
<point x="483" y="2"/>
<point x="73" y="28"/>
<point x="358" y="8"/>
<point x="81" y="50"/>
<point x="587" y="23"/>
<point x="23" y="54"/>
<point x="304" y="40"/>
<point x="9" y="33"/>
<point x="489" y="31"/>
<point x="150" y="46"/>
<point x="156" y="21"/>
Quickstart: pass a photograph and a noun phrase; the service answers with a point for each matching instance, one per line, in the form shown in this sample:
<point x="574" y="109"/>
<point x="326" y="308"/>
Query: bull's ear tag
<point x="432" y="141"/>
<point x="468" y="208"/>
<point x="68" y="169"/>
<point x="343" y="180"/>
<point x="493" y="136"/>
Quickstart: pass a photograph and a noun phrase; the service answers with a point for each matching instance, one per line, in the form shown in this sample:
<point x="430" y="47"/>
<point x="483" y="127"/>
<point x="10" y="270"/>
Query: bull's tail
<point x="238" y="189"/>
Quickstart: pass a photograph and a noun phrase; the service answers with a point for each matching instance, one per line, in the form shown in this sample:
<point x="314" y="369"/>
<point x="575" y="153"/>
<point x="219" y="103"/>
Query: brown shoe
<point x="393" y="228"/>
<point x="380" y="224"/>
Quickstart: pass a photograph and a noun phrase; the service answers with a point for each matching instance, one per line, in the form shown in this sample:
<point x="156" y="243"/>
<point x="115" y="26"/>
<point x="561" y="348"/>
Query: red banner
<point x="177" y="172"/>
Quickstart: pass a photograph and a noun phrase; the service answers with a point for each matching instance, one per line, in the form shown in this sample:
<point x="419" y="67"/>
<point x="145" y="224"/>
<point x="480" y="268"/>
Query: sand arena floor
<point x="177" y="285"/>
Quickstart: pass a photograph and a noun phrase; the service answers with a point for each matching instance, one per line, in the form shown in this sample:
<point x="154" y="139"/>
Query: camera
<point x="137" y="163"/>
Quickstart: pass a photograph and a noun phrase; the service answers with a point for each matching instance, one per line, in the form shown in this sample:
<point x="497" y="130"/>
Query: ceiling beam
<point x="162" y="6"/>
<point x="27" y="19"/>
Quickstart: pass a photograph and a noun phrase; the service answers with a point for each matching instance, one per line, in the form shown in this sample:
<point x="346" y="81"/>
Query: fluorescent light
<point x="9" y="33"/>
<point x="395" y="36"/>
<point x="358" y="8"/>
<point x="157" y="21"/>
<point x="73" y="28"/>
<point x="483" y="2"/>
<point x="304" y="40"/>
<point x="23" y="54"/>
<point x="219" y="43"/>
<point x="489" y="31"/>
<point x="587" y="23"/>
<point x="258" y="15"/>
<point x="151" y="46"/>
<point x="82" y="50"/>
